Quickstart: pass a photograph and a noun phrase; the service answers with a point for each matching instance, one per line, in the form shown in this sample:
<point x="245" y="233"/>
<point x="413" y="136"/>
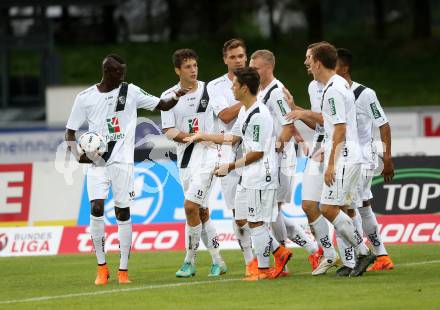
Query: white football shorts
<point x="197" y="184"/>
<point x="286" y="177"/>
<point x="313" y="179"/>
<point x="345" y="190"/>
<point x="256" y="205"/>
<point x="228" y="185"/>
<point x="119" y="175"/>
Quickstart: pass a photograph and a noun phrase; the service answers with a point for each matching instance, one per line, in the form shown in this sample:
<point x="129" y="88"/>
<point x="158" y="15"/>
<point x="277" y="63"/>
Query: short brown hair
<point x="248" y="76"/>
<point x="326" y="54"/>
<point x="233" y="43"/>
<point x="183" y="54"/>
<point x="266" y="55"/>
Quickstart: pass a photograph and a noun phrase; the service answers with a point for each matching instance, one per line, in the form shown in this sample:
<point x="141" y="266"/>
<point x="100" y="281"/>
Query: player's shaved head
<point x="233" y="43"/>
<point x="266" y="55"/>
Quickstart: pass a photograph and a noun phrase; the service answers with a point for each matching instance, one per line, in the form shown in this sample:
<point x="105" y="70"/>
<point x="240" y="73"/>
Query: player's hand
<point x="329" y="175"/>
<point x="197" y="137"/>
<point x="279" y="146"/>
<point x="222" y="170"/>
<point x="318" y="156"/>
<point x="289" y="98"/>
<point x="388" y="170"/>
<point x="304" y="147"/>
<point x="294" y="115"/>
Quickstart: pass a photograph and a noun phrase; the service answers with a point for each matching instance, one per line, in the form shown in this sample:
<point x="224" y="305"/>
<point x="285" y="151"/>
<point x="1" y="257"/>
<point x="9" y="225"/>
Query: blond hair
<point x="266" y="55"/>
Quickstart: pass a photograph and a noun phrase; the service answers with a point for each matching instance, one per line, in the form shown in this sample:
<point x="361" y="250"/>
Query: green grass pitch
<point x="66" y="282"/>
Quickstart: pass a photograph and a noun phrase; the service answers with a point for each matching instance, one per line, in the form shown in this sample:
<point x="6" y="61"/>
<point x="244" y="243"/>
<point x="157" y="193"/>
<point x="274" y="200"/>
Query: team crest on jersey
<point x="375" y="110"/>
<point x="193" y="125"/>
<point x="256" y="133"/>
<point x="113" y="125"/>
<point x="204" y="103"/>
<point x="280" y="104"/>
<point x="331" y="102"/>
<point x="121" y="100"/>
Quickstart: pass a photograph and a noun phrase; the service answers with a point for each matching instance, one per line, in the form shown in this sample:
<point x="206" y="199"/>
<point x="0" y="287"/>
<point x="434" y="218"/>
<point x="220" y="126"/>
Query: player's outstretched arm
<point x="246" y="160"/>
<point x="176" y="135"/>
<point x="215" y="138"/>
<point x="70" y="138"/>
<point x="168" y="104"/>
<point x="388" y="166"/>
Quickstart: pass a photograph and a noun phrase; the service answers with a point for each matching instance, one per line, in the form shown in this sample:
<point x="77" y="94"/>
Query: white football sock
<point x="210" y="240"/>
<point x="243" y="236"/>
<point x="125" y="237"/>
<point x="357" y="222"/>
<point x="97" y="230"/>
<point x="274" y="244"/>
<point x="297" y="235"/>
<point x="192" y="241"/>
<point x="279" y="229"/>
<point x="371" y="229"/>
<point x="321" y="232"/>
<point x="346" y="251"/>
<point x="262" y="244"/>
<point x="344" y="226"/>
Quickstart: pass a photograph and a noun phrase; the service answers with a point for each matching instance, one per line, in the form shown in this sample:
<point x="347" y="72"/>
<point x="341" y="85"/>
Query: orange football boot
<point x="123" y="277"/>
<point x="262" y="274"/>
<point x="282" y="256"/>
<point x="315" y="257"/>
<point x="252" y="268"/>
<point x="102" y="275"/>
<point x="382" y="263"/>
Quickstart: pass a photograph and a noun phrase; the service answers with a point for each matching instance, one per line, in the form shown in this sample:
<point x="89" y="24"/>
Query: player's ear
<point x="177" y="70"/>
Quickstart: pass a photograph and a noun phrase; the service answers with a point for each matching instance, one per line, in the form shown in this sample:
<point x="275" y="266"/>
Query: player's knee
<point x="97" y="207"/>
<point x="122" y="214"/>
<point x="204" y="214"/>
<point x="191" y="209"/>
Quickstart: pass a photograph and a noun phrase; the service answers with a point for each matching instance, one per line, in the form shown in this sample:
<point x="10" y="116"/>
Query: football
<point x="92" y="142"/>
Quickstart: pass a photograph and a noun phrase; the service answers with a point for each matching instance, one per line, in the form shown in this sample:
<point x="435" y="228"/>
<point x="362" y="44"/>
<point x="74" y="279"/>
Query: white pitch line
<point x="158" y="286"/>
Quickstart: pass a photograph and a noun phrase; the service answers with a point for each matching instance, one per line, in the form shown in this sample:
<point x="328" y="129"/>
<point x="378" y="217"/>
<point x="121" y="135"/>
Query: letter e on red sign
<point x="15" y="192"/>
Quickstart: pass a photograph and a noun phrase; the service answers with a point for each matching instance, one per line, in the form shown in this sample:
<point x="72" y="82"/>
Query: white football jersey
<point x="315" y="93"/>
<point x="338" y="107"/>
<point x="98" y="109"/>
<point x="369" y="113"/>
<point x="255" y="127"/>
<point x="220" y="98"/>
<point x="184" y="117"/>
<point x="273" y="97"/>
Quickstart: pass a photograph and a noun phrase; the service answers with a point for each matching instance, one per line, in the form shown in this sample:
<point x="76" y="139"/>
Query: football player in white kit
<point x="195" y="161"/>
<point x="369" y="115"/>
<point x="110" y="108"/>
<point x="271" y="94"/>
<point x="342" y="158"/>
<point x="313" y="177"/>
<point x="226" y="108"/>
<point x="255" y="200"/>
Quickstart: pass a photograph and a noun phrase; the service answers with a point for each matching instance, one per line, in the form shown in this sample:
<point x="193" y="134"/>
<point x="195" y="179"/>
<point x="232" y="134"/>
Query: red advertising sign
<point x="15" y="192"/>
<point x="414" y="228"/>
<point x="151" y="237"/>
<point x="431" y="126"/>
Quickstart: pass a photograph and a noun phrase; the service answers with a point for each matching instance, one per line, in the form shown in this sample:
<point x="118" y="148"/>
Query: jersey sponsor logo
<point x="193" y="125"/>
<point x="375" y="110"/>
<point x="113" y="125"/>
<point x="331" y="102"/>
<point x="282" y="109"/>
<point x="256" y="133"/>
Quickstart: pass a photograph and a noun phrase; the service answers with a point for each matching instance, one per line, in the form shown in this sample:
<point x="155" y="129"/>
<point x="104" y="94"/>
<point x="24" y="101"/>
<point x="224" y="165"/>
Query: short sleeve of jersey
<point x="236" y="129"/>
<point x="143" y="99"/>
<point x="258" y="133"/>
<point x="375" y="110"/>
<point x="77" y="116"/>
<point x="218" y="100"/>
<point x="336" y="106"/>
<point x="279" y="106"/>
